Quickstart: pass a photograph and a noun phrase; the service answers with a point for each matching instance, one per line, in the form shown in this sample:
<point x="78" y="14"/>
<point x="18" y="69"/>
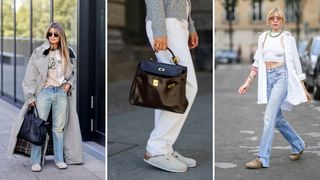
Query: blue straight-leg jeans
<point x="56" y="98"/>
<point x="277" y="83"/>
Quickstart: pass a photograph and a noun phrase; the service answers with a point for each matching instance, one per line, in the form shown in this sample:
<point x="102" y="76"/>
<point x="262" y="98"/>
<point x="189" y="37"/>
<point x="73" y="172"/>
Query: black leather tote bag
<point x="160" y="86"/>
<point x="33" y="128"/>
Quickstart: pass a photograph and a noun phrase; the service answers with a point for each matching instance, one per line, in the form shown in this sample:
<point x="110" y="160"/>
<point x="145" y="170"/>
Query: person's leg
<point x="59" y="115"/>
<point x="278" y="83"/>
<point x="297" y="144"/>
<point x="43" y="105"/>
<point x="168" y="124"/>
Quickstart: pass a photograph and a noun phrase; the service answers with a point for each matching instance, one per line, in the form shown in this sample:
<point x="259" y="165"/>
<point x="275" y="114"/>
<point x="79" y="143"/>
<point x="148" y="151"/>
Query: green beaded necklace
<point x="275" y="35"/>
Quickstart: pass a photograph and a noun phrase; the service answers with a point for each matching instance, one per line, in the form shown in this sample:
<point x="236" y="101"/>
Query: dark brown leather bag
<point x="160" y="86"/>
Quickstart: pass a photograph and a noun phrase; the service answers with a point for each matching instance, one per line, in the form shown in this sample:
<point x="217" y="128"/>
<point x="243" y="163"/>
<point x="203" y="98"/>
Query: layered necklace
<point x="276" y="35"/>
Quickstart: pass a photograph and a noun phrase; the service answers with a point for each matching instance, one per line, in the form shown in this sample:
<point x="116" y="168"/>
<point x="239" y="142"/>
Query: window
<point x="256" y="15"/>
<point x="8" y="47"/>
<point x="22" y="44"/>
<point x="292" y="7"/>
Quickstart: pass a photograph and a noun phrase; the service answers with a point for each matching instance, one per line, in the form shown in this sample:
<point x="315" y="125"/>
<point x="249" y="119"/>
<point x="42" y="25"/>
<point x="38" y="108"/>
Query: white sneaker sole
<point x="191" y="165"/>
<point x="163" y="168"/>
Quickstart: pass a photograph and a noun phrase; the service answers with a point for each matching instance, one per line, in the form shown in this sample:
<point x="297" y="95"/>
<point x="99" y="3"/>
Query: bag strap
<point x="174" y="58"/>
<point x="34" y="110"/>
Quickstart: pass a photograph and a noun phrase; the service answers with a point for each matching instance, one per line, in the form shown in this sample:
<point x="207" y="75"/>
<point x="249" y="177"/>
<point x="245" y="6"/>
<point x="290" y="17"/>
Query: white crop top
<point x="272" y="50"/>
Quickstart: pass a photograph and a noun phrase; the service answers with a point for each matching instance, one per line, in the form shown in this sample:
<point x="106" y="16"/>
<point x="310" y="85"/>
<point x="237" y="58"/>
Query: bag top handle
<point x="34" y="110"/>
<point x="174" y="58"/>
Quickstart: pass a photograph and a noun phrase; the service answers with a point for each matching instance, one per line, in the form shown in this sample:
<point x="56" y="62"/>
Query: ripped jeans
<point x="56" y="98"/>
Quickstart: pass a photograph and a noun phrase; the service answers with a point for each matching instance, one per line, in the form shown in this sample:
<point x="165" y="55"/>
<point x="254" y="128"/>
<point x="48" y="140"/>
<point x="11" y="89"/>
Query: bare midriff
<point x="270" y="65"/>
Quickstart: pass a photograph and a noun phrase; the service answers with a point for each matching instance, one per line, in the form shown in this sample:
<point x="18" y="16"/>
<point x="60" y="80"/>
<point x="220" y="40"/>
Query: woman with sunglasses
<point x="46" y="85"/>
<point x="280" y="85"/>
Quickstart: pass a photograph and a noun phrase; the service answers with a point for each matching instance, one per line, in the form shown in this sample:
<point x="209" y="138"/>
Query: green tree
<point x="23" y="20"/>
<point x="8" y="18"/>
<point x="65" y="12"/>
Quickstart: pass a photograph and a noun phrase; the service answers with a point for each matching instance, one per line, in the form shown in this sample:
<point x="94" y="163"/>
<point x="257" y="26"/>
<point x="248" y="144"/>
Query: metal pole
<point x="51" y="11"/>
<point x="14" y="52"/>
<point x="30" y="28"/>
<point x="1" y="48"/>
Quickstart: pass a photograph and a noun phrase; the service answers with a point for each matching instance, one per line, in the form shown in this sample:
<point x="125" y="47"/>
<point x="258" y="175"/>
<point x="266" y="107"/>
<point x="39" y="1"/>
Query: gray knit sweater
<point x="158" y="10"/>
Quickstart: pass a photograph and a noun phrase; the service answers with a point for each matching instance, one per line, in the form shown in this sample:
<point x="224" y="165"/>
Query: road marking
<point x="248" y="147"/>
<point x="312" y="147"/>
<point x="315" y="125"/>
<point x="225" y="165"/>
<point x="309" y="149"/>
<point x="312" y="134"/>
<point x="247" y="132"/>
<point x="273" y="147"/>
<point x="254" y="138"/>
<point x="314" y="152"/>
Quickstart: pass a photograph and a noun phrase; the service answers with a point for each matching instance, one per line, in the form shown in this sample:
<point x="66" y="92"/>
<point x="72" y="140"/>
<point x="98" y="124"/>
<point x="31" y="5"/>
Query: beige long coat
<point x="33" y="83"/>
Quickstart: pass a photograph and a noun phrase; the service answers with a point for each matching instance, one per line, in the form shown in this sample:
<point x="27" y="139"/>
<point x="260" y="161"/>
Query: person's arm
<point x="193" y="35"/>
<point x="29" y="81"/>
<point x="253" y="73"/>
<point x="190" y="21"/>
<point x="68" y="85"/>
<point x="158" y="24"/>
<point x="254" y="70"/>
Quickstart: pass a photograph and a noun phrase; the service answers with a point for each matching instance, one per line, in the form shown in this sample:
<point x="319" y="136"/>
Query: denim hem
<point x="264" y="162"/>
<point x="301" y="147"/>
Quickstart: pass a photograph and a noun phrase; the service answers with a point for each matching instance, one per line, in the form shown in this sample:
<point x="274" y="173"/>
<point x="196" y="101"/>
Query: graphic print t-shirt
<point x="55" y="69"/>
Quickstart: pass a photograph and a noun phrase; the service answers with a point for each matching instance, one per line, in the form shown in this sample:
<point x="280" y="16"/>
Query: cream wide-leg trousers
<point x="168" y="124"/>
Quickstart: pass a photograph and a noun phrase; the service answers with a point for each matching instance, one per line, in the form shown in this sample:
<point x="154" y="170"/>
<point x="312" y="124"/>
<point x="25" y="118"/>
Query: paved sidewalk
<point x="238" y="129"/>
<point x="129" y="128"/>
<point x="18" y="168"/>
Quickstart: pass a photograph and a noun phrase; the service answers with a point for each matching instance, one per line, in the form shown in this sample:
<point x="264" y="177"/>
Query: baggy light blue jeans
<point x="277" y="83"/>
<point x="56" y="98"/>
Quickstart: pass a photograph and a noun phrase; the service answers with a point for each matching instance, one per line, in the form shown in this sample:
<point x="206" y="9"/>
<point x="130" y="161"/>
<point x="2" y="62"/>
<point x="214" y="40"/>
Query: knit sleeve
<point x="157" y="18"/>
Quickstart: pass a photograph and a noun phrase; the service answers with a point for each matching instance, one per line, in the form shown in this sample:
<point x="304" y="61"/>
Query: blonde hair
<point x="63" y="43"/>
<point x="274" y="12"/>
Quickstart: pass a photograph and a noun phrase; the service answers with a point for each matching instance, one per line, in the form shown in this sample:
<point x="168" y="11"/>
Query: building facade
<point x="249" y="21"/>
<point x="22" y="29"/>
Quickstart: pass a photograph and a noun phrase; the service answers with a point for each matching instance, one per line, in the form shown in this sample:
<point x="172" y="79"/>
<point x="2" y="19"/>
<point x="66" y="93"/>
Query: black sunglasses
<point x="55" y="34"/>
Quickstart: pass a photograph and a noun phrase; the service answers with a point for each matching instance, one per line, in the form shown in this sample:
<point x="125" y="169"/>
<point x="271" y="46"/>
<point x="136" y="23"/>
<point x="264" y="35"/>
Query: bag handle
<point x="174" y="58"/>
<point x="34" y="110"/>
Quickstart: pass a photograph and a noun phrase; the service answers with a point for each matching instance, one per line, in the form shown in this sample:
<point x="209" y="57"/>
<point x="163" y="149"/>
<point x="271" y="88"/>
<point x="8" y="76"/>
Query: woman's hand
<point x="306" y="91"/>
<point x="308" y="96"/>
<point x="244" y="88"/>
<point x="32" y="104"/>
<point x="193" y="40"/>
<point x="160" y="43"/>
<point x="66" y="87"/>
